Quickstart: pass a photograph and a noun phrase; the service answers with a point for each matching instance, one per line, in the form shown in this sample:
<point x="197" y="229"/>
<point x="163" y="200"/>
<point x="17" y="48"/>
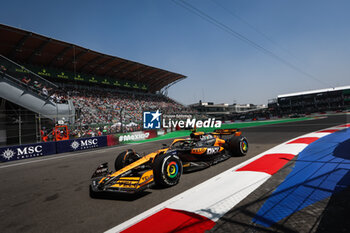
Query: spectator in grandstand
<point x="99" y="133"/>
<point x="44" y="134"/>
<point x="58" y="97"/>
<point x="53" y="97"/>
<point x="26" y="80"/>
<point x="45" y="91"/>
<point x="3" y="68"/>
<point x="37" y="85"/>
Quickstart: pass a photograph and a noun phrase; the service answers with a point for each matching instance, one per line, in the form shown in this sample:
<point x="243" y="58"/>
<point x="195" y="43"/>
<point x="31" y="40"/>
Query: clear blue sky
<point x="312" y="35"/>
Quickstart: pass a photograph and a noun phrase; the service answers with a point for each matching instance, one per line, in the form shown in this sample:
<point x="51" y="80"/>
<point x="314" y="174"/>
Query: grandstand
<point x="219" y="111"/>
<point x="44" y="80"/>
<point x="330" y="99"/>
<point x="226" y="111"/>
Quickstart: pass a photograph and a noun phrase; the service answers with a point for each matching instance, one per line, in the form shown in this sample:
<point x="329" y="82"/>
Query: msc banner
<point x="27" y="151"/>
<point x="81" y="144"/>
<point x="48" y="148"/>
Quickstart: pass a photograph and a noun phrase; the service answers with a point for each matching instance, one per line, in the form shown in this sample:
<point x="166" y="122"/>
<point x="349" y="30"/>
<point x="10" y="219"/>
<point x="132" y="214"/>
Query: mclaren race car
<point x="164" y="167"/>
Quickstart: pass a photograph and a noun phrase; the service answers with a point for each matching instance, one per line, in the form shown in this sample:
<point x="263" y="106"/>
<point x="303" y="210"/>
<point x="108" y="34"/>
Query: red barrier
<point x="112" y="140"/>
<point x="152" y="133"/>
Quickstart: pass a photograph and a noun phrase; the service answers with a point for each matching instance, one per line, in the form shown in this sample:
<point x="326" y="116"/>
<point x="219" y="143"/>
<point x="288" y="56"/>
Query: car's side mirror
<point x="164" y="145"/>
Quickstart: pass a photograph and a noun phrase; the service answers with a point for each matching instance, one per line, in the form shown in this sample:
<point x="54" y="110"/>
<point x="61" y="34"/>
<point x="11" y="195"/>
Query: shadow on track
<point x="118" y="196"/>
<point x="335" y="216"/>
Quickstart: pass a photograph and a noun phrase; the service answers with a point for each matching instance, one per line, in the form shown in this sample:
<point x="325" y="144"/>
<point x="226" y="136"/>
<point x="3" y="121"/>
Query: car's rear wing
<point x="228" y="132"/>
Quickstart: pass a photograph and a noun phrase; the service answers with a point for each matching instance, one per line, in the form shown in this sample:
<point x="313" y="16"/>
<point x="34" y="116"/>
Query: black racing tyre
<point x="125" y="158"/>
<point x="92" y="193"/>
<point x="238" y="146"/>
<point x="167" y="170"/>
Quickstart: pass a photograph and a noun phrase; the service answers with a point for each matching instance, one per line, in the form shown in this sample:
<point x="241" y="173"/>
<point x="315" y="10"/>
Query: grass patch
<point x="184" y="133"/>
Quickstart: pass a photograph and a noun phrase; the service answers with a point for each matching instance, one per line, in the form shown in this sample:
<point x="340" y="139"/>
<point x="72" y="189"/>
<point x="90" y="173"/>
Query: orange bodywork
<point x="219" y="142"/>
<point x="134" y="182"/>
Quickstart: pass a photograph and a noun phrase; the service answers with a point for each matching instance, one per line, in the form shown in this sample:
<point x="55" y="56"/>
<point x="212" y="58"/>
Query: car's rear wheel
<point x="238" y="146"/>
<point x="125" y="158"/>
<point x="167" y="170"/>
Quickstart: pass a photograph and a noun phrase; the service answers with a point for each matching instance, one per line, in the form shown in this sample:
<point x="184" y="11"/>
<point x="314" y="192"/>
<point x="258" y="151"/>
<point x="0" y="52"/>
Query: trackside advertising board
<point x="11" y="153"/>
<point x="81" y="144"/>
<point x="137" y="136"/>
<point x="27" y="151"/>
<point x="115" y="139"/>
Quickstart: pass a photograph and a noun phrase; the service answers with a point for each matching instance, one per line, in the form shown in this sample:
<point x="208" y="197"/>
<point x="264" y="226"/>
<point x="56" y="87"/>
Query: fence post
<point x="20" y="127"/>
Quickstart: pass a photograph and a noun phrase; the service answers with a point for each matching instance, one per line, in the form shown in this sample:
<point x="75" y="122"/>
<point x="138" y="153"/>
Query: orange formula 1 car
<point x="164" y="167"/>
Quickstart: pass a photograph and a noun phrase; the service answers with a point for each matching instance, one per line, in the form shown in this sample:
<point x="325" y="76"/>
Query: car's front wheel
<point x="125" y="158"/>
<point x="238" y="146"/>
<point x="167" y="170"/>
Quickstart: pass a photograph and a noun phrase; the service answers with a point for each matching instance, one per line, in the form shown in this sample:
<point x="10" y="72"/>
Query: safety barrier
<point x="27" y="151"/>
<point x="81" y="144"/>
<point x="12" y="153"/>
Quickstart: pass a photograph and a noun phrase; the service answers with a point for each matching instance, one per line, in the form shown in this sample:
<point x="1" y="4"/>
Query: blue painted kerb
<point x="319" y="172"/>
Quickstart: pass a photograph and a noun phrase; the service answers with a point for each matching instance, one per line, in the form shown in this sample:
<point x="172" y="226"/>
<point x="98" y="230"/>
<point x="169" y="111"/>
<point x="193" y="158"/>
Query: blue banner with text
<point x="81" y="144"/>
<point x="27" y="151"/>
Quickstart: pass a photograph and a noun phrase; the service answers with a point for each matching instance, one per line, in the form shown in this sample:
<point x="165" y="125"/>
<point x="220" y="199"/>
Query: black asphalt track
<point x="51" y="194"/>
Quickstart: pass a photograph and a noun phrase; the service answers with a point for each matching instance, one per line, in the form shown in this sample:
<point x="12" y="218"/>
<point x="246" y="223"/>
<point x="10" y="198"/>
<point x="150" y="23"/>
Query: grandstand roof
<point x="29" y="47"/>
<point x="314" y="91"/>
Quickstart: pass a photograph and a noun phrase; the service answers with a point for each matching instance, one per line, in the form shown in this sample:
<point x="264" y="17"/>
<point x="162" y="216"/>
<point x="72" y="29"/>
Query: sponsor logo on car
<point x="145" y="179"/>
<point x="213" y="150"/>
<point x="198" y="151"/>
<point x="126" y="184"/>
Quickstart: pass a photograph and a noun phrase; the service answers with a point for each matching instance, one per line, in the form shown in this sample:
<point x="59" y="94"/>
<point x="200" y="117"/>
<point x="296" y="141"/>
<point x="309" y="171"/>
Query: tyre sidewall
<point x="122" y="160"/>
<point x="238" y="146"/>
<point x="119" y="161"/>
<point x="167" y="166"/>
<point x="243" y="146"/>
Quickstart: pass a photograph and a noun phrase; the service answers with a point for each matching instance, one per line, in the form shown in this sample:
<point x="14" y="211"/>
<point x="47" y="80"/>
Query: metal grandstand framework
<point x="314" y="91"/>
<point x="27" y="47"/>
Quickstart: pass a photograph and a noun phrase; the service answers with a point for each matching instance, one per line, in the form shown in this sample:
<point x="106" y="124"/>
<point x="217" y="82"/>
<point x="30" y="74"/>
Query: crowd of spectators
<point x="114" y="107"/>
<point x="112" y="111"/>
<point x="108" y="112"/>
<point x="100" y="110"/>
<point x="59" y="97"/>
